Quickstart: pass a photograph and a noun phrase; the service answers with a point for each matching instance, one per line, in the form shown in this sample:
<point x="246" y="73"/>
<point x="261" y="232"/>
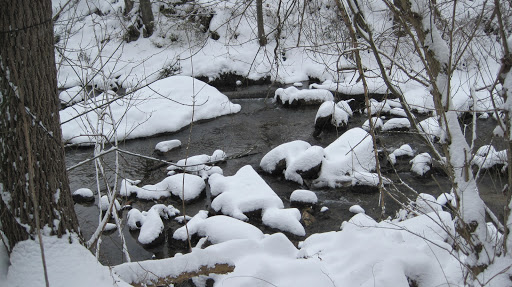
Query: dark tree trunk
<point x="261" y="30"/>
<point x="34" y="186"/>
<point x="128" y="6"/>
<point x="148" y="20"/>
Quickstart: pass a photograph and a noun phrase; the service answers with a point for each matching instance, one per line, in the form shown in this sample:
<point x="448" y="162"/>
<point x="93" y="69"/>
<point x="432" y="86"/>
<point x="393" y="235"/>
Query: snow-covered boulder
<point x="421" y="164"/>
<point x="246" y="192"/>
<point x="431" y="129"/>
<point x="403" y="151"/>
<point x="356" y="209"/>
<point x="302" y="196"/>
<point x="349" y="156"/>
<point x="276" y="160"/>
<point x="166" y="146"/>
<point x="105" y="203"/>
<point x="185" y="186"/>
<point x="487" y="157"/>
<point x="377" y="124"/>
<point x="329" y="116"/>
<point x="218" y="229"/>
<point x="293" y="96"/>
<point x="396" y="124"/>
<point x="73" y="95"/>
<point x="83" y="195"/>
<point x="150" y="222"/>
<point x="166" y="105"/>
<point x="201" y="165"/>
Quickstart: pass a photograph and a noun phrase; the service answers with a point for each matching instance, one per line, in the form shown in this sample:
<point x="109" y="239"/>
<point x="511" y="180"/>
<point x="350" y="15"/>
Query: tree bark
<point x="34" y="188"/>
<point x="261" y="29"/>
<point x="146" y="13"/>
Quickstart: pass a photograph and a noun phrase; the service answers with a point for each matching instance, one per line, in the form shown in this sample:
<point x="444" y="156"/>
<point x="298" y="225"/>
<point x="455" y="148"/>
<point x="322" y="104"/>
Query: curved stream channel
<point x="260" y="126"/>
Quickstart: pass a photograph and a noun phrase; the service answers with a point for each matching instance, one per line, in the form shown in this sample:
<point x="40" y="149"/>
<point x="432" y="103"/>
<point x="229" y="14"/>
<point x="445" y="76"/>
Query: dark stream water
<point x="260" y="126"/>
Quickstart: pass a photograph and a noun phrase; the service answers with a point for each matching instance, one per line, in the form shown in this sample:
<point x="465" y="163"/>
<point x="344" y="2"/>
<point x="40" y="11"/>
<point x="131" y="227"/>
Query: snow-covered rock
<point x="246" y="191"/>
<point x="276" y="160"/>
<point x="430" y="127"/>
<point x="83" y="195"/>
<point x="377" y="124"/>
<point x="347" y="156"/>
<point x="200" y="164"/>
<point x="396" y="124"/>
<point x="402" y="151"/>
<point x="303" y="196"/>
<point x="330" y="115"/>
<point x="150" y="222"/>
<point x="166" y="105"/>
<point x="105" y="202"/>
<point x="185" y="186"/>
<point x="356" y="209"/>
<point x="218" y="228"/>
<point x="166" y="146"/>
<point x="73" y="95"/>
<point x="294" y="96"/>
<point x="421" y="164"/>
<point x="487" y="157"/>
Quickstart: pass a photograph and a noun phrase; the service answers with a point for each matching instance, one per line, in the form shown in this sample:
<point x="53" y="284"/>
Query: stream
<point x="260" y="126"/>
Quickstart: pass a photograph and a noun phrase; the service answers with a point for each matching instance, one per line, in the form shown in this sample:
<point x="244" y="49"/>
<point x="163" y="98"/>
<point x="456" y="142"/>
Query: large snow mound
<point x="246" y="191"/>
<point x="166" y="105"/>
<point x="66" y="263"/>
<point x="209" y="227"/>
<point x="347" y="157"/>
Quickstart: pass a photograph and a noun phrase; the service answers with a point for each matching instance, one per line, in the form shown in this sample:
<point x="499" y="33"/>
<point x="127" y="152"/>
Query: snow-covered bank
<point x="164" y="106"/>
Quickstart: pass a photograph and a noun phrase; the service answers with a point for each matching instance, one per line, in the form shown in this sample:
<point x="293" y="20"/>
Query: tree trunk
<point x="261" y="30"/>
<point x="148" y="19"/>
<point x="33" y="180"/>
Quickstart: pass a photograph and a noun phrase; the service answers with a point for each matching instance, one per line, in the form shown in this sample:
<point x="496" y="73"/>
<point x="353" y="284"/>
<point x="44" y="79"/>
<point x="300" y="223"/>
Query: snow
<point x="329" y="108"/>
<point x="431" y="129"/>
<point x="246" y="191"/>
<point x="353" y="87"/>
<point x="209" y="227"/>
<point x="150" y="222"/>
<point x="152" y="227"/>
<point x="73" y="95"/>
<point x="421" y="163"/>
<point x="404" y="150"/>
<point x="68" y="264"/>
<point x="286" y="151"/>
<point x="304" y="196"/>
<point x="304" y="161"/>
<point x="200" y="164"/>
<point x="166" y="146"/>
<point x="377" y="124"/>
<point x="396" y="123"/>
<point x="287" y="220"/>
<point x="324" y="209"/>
<point x="291" y="94"/>
<point x="349" y="155"/>
<point x="151" y="270"/>
<point x="487" y="157"/>
<point x="185" y="186"/>
<point x="105" y="202"/>
<point x="84" y="192"/>
<point x="166" y="105"/>
<point x="356" y="209"/>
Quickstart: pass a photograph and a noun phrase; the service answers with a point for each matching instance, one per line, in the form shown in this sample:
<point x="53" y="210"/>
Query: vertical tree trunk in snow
<point x="471" y="224"/>
<point x="148" y="19"/>
<point x="261" y="29"/>
<point x="34" y="186"/>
